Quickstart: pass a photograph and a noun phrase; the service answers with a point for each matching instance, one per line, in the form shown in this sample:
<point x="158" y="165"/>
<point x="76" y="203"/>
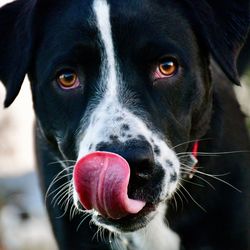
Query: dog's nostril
<point x="142" y="164"/>
<point x="143" y="174"/>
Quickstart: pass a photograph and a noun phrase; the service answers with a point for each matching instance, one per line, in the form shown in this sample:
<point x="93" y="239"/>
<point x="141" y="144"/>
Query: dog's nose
<point x="138" y="153"/>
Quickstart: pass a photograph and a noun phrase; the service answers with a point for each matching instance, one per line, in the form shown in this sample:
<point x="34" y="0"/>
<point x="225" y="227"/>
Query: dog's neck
<point x="157" y="235"/>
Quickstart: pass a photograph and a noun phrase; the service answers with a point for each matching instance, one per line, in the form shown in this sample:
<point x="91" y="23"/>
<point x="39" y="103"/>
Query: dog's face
<point x="122" y="82"/>
<point x="127" y="77"/>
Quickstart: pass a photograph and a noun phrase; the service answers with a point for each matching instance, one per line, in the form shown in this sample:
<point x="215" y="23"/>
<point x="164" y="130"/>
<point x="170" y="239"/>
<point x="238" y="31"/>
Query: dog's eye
<point x="166" y="67"/>
<point x="68" y="79"/>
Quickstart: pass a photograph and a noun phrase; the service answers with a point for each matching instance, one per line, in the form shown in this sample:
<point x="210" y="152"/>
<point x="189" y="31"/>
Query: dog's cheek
<point x="201" y="119"/>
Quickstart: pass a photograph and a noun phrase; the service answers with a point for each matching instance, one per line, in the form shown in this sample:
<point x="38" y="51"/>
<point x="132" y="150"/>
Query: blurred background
<point x="23" y="219"/>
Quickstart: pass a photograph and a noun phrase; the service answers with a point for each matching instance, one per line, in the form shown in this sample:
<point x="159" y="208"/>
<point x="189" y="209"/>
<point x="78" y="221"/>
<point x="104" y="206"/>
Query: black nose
<point x="138" y="153"/>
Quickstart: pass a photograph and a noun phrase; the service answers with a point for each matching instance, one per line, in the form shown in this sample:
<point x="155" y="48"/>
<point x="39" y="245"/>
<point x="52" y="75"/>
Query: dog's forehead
<point x="135" y="26"/>
<point x="137" y="20"/>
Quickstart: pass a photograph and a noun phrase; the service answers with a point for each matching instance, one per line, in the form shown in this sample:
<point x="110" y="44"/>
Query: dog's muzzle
<point x="101" y="181"/>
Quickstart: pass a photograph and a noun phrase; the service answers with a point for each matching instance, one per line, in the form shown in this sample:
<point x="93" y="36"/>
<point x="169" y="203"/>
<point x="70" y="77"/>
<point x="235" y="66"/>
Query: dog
<point x="140" y="140"/>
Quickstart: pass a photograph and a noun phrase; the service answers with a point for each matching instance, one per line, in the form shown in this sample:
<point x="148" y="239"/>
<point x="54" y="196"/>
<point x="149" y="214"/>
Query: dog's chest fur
<point x="155" y="236"/>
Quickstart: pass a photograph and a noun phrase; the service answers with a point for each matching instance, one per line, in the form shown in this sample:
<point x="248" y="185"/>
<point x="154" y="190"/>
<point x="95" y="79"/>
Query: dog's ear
<point x="222" y="26"/>
<point x="15" y="46"/>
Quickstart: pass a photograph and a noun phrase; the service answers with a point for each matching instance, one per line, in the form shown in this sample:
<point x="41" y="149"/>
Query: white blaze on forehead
<point x="108" y="117"/>
<point x="109" y="79"/>
<point x="102" y="13"/>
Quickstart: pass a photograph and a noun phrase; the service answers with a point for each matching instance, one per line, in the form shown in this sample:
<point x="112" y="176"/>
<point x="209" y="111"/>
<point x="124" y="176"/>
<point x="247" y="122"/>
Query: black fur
<point x="37" y="36"/>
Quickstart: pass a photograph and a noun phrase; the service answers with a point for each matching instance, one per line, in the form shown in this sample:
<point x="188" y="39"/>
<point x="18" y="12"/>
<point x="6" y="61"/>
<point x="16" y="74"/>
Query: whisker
<point x="181" y="193"/>
<point x="55" y="180"/>
<point x="97" y="233"/>
<point x="215" y="177"/>
<point x="199" y="177"/>
<point x="58" y="189"/>
<point x="102" y="235"/>
<point x="61" y="191"/>
<point x="65" y="211"/>
<point x="183" y="143"/>
<point x="118" y="244"/>
<point x="192" y="198"/>
<point x="85" y="216"/>
<point x="193" y="183"/>
<point x="188" y="169"/>
<point x="213" y="153"/>
<point x="69" y="200"/>
<point x="175" y="202"/>
<point x="74" y="210"/>
<point x="187" y="142"/>
<point x="60" y="198"/>
<point x="62" y="162"/>
<point x="182" y="204"/>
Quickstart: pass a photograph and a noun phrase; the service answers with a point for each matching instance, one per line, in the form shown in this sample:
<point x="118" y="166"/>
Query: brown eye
<point x="167" y="67"/>
<point x="68" y="79"/>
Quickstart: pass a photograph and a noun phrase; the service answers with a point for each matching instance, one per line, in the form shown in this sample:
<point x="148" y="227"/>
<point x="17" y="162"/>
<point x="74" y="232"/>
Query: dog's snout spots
<point x="24" y="216"/>
<point x="149" y="157"/>
<point x="173" y="177"/>
<point x="113" y="137"/>
<point x="157" y="150"/>
<point x="141" y="137"/>
<point x="125" y="127"/>
<point x="119" y="118"/>
<point x="169" y="163"/>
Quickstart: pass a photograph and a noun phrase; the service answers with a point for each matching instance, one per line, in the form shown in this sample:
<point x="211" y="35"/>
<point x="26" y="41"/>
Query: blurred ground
<point x="23" y="222"/>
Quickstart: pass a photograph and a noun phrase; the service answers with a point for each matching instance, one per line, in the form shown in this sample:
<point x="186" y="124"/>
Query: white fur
<point x="101" y="10"/>
<point x="111" y="113"/>
<point x="156" y="235"/>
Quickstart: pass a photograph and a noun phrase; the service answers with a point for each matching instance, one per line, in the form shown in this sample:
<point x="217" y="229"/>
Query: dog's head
<point x="121" y="87"/>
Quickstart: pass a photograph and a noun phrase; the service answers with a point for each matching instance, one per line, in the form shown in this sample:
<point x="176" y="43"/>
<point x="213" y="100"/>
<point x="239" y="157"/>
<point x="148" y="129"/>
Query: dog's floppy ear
<point x="222" y="26"/>
<point x="15" y="46"/>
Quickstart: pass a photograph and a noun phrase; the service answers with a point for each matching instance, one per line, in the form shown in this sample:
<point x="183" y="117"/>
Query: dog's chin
<point x="129" y="223"/>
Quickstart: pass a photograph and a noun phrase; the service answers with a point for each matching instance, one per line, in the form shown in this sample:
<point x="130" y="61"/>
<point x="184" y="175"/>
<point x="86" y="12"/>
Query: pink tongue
<point x="101" y="181"/>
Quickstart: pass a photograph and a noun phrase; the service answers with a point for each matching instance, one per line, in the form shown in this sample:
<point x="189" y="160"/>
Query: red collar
<point x="195" y="151"/>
